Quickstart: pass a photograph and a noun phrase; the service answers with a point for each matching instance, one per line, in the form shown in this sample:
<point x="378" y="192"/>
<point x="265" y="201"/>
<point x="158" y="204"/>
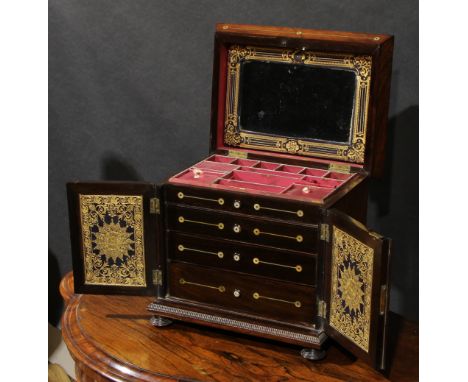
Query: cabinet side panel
<point x="381" y="99"/>
<point x="354" y="203"/>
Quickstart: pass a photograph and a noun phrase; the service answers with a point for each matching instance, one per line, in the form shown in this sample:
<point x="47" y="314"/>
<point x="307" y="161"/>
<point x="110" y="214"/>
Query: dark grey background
<point x="129" y="95"/>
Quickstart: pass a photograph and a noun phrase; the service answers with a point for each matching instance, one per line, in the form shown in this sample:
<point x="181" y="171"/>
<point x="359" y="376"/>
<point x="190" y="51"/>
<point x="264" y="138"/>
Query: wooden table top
<point x="110" y="338"/>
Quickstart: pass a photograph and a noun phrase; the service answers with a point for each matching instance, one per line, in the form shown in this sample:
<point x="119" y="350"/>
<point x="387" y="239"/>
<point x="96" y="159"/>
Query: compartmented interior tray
<point x="218" y="171"/>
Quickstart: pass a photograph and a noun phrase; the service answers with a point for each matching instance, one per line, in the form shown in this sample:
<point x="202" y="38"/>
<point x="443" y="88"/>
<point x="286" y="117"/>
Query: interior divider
<point x="278" y="178"/>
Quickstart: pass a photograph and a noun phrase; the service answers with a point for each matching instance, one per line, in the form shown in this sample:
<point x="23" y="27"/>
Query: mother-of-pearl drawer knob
<point x="237" y="204"/>
<point x="236" y="228"/>
<point x="236" y="293"/>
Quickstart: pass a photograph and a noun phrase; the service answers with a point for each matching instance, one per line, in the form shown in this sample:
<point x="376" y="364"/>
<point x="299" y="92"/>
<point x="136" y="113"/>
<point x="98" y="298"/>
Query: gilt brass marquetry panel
<point x="351" y="149"/>
<point x="112" y="239"/>
<point x="351" y="288"/>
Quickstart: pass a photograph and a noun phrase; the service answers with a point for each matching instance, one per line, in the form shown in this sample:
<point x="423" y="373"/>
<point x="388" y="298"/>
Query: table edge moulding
<point x="145" y="355"/>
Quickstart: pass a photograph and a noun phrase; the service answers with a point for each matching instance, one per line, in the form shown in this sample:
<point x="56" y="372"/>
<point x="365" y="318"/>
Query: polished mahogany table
<point x="111" y="339"/>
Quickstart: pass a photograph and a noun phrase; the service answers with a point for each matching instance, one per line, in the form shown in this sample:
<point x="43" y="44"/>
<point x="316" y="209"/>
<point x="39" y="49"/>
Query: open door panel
<point x="356" y="287"/>
<point x="114" y="236"/>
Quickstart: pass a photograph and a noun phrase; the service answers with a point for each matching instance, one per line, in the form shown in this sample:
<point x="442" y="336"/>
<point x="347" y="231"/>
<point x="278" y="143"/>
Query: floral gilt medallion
<point x="113" y="242"/>
<point x="351" y="288"/>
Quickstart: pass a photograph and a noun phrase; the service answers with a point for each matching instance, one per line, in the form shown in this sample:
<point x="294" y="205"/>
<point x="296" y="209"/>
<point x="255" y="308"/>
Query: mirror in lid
<point x="298" y="102"/>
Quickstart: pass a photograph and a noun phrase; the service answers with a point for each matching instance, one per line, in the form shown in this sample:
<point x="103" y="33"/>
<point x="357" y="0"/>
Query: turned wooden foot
<point x="159" y="321"/>
<point x="313" y="354"/>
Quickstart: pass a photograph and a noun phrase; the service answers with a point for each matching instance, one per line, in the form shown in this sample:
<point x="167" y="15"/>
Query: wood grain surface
<point x="111" y="339"/>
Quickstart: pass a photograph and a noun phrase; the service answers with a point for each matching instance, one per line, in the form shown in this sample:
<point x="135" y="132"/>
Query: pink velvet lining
<point x="248" y="175"/>
<point x="312" y="192"/>
<point x="270" y="172"/>
<point x="204" y="177"/>
<point x="253" y="186"/>
<point x="220" y="158"/>
<point x="338" y="175"/>
<point x="267" y="165"/>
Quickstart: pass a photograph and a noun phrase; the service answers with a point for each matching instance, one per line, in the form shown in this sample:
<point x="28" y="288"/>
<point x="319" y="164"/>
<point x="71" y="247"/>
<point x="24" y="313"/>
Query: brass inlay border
<point x="341" y="35"/>
<point x="220" y="288"/>
<point x="181" y="248"/>
<point x="181" y="196"/>
<point x="182" y="220"/>
<point x="298" y="238"/>
<point x="257" y="296"/>
<point x="316" y="339"/>
<point x="383" y="299"/>
<point x="257" y="261"/>
<point x="351" y="288"/>
<point x="113" y="240"/>
<point x="258" y="207"/>
<point x="352" y="151"/>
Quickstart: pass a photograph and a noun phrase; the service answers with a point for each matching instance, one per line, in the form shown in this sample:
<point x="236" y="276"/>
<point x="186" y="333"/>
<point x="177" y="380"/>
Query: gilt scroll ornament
<point x="351" y="288"/>
<point x="113" y="242"/>
<point x="352" y="151"/>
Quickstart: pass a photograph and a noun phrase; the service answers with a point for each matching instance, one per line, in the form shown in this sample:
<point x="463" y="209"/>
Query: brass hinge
<point x="155" y="207"/>
<point x="338" y="167"/>
<point x="383" y="299"/>
<point x="237" y="154"/>
<point x="322" y="309"/>
<point x="375" y="235"/>
<point x="157" y="277"/>
<point x="325" y="232"/>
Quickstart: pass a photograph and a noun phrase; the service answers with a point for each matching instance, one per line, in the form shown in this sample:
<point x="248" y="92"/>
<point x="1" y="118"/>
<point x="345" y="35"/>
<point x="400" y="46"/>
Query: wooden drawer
<point x="240" y="257"/>
<point x="243" y="228"/>
<point x="246" y="203"/>
<point x="242" y="293"/>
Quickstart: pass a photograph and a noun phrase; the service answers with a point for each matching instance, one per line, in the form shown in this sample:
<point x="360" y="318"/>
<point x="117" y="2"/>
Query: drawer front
<point x="246" y="203"/>
<point x="242" y="293"/>
<point x="240" y="257"/>
<point x="238" y="227"/>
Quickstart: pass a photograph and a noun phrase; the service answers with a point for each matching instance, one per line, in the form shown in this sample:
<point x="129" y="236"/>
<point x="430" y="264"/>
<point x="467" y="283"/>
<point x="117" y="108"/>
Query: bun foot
<point x="159" y="321"/>
<point x="313" y="354"/>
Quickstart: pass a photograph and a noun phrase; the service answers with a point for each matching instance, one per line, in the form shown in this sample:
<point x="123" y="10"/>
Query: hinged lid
<point x="308" y="93"/>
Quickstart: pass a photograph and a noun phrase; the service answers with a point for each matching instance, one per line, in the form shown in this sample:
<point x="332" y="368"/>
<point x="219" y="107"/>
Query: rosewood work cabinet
<point x="266" y="235"/>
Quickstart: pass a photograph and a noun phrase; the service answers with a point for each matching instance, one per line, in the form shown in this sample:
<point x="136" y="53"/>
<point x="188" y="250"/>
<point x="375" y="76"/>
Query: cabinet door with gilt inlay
<point x="114" y="229"/>
<point x="356" y="289"/>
